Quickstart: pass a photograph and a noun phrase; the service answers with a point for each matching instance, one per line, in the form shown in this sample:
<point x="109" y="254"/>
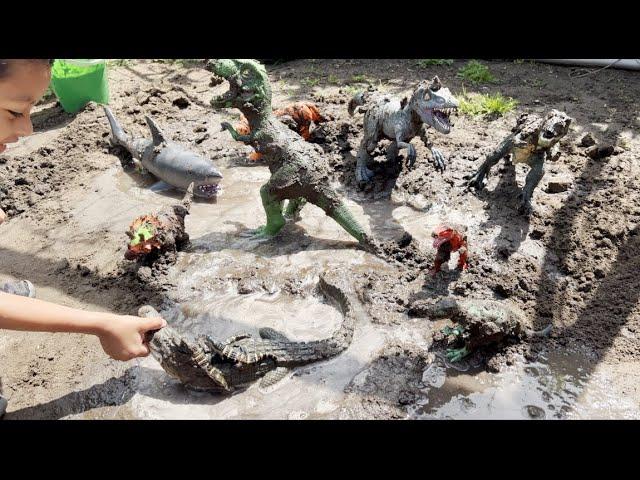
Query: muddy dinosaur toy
<point x="163" y="233"/>
<point x="299" y="173"/>
<point x="478" y="323"/>
<point x="449" y="239"/>
<point x="207" y="364"/>
<point x="169" y="162"/>
<point x="400" y="121"/>
<point x="298" y="117"/>
<point x="533" y="139"/>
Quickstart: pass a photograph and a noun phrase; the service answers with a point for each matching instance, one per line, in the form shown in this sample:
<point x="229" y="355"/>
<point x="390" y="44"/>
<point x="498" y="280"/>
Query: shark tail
<point x="118" y="136"/>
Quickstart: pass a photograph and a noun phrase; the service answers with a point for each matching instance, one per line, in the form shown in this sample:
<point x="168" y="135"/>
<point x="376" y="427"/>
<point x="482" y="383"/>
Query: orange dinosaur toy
<point x="298" y="116"/>
<point x="448" y="239"/>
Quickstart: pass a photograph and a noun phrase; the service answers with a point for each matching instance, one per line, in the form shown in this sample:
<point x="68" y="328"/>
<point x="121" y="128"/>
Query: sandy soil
<point x="573" y="263"/>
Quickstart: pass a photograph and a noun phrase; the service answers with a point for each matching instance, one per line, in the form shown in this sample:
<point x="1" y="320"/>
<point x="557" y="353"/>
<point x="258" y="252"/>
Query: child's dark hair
<point x="6" y="62"/>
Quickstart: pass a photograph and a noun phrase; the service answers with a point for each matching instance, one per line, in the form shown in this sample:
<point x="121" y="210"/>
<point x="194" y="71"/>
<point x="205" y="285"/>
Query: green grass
<point x="333" y="80"/>
<point x="428" y="62"/>
<point x="476" y="72"/>
<point x="360" y="78"/>
<point x="486" y="104"/>
<point x="537" y="83"/>
<point x="352" y="89"/>
<point x="310" y="81"/>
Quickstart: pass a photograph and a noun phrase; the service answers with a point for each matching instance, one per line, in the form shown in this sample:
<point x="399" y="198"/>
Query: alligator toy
<point x="533" y="139"/>
<point x="400" y="121"/>
<point x="479" y="323"/>
<point x="224" y="366"/>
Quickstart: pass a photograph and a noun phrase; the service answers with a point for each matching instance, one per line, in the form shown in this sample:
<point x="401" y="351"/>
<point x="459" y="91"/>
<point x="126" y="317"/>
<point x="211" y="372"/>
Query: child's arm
<point x="121" y="336"/>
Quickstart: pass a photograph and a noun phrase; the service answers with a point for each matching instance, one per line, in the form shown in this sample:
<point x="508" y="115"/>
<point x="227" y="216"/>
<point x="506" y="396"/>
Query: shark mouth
<point x="208" y="190"/>
<point x="442" y="118"/>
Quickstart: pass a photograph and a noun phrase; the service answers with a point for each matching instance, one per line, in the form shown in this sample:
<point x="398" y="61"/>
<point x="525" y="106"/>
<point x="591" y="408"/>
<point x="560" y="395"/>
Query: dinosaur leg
<point x="363" y="173"/>
<point x="294" y="206"/>
<point x="274" y="376"/>
<point x="273" y="208"/>
<point x="457" y="354"/>
<point x="476" y="180"/>
<point x="392" y="152"/>
<point x="411" y="155"/>
<point x="533" y="178"/>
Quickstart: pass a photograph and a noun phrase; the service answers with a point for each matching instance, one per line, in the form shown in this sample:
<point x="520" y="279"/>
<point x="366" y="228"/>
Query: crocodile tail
<point x="118" y="137"/>
<point x="336" y="288"/>
<point x="357" y="101"/>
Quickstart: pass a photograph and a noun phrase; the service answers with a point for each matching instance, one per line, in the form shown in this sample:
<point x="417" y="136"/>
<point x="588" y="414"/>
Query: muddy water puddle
<point x="229" y="283"/>
<point x="557" y="386"/>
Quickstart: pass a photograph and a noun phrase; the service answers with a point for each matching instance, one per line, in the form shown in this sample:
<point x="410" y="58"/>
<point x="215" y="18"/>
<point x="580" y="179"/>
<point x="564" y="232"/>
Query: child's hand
<point x="3" y="216"/>
<point x="123" y="337"/>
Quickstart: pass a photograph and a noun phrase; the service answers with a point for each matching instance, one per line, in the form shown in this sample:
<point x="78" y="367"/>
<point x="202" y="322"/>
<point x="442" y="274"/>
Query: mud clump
<point x="391" y="383"/>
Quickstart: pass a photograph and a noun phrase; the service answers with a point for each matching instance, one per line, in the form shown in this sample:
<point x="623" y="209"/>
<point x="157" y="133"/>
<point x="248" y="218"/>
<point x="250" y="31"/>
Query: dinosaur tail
<point x="358" y="100"/>
<point x="540" y="333"/>
<point x="118" y="137"/>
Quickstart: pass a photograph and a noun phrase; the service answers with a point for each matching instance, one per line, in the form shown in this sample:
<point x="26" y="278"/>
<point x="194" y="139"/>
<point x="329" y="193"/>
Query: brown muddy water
<point x="227" y="284"/>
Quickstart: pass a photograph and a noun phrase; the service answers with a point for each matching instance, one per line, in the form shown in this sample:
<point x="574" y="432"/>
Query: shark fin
<point x="160" y="187"/>
<point x="156" y="133"/>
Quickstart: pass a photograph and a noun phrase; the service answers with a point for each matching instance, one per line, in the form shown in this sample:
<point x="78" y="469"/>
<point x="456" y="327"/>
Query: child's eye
<point x="15" y="114"/>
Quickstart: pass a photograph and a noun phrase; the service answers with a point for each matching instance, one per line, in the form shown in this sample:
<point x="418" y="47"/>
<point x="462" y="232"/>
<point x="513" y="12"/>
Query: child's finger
<point x="155" y="323"/>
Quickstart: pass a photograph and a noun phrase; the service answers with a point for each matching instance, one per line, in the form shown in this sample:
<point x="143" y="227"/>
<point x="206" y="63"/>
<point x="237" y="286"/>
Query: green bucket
<point x="78" y="82"/>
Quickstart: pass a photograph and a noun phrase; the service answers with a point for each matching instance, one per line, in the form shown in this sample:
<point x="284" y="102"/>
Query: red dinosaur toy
<point x="298" y="116"/>
<point x="448" y="239"/>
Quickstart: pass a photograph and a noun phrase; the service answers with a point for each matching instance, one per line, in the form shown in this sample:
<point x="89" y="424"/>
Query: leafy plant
<point x="475" y="72"/>
<point x="427" y="62"/>
<point x="486" y="104"/>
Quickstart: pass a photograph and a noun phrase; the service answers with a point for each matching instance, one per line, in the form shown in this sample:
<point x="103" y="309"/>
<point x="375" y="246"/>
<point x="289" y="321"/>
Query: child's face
<point x="22" y="86"/>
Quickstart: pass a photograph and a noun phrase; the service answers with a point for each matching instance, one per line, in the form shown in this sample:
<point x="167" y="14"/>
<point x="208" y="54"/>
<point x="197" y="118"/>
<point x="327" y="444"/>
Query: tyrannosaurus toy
<point x="400" y="121"/>
<point x="533" y="139"/>
<point x="298" y="171"/>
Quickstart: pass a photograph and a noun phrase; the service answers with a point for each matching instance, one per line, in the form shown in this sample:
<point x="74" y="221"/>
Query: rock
<point x="202" y="138"/>
<point x="597" y="153"/>
<point x="536" y="234"/>
<point x="62" y="265"/>
<point x="42" y="189"/>
<point x="144" y="274"/>
<point x="587" y="140"/>
<point x="245" y="288"/>
<point x="181" y="103"/>
<point x="406" y="397"/>
<point x="558" y="185"/>
<point x="21" y="181"/>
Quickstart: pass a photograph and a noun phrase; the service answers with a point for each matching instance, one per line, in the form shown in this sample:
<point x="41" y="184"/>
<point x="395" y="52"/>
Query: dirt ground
<point x="573" y="263"/>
